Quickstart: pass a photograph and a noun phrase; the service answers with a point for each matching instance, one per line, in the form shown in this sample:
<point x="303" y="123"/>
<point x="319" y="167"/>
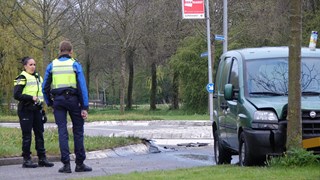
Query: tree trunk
<point x="122" y="79"/>
<point x="175" y="91"/>
<point x="46" y="58"/>
<point x="45" y="50"/>
<point x="87" y="60"/>
<point x="113" y="87"/>
<point x="97" y="87"/>
<point x="153" y="92"/>
<point x="87" y="72"/>
<point x="294" y="130"/>
<point x="130" y="56"/>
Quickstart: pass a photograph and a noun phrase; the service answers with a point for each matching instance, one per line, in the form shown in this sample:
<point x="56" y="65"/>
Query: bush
<point x="295" y="158"/>
<point x="193" y="74"/>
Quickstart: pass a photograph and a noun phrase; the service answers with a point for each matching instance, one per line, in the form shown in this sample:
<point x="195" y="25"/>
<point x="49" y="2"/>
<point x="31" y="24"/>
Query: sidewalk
<point x="159" y="133"/>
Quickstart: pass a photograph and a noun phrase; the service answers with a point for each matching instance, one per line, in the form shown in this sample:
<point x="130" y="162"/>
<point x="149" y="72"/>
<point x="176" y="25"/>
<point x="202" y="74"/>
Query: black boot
<point x="43" y="162"/>
<point x="66" y="168"/>
<point x="27" y="163"/>
<point x="82" y="168"/>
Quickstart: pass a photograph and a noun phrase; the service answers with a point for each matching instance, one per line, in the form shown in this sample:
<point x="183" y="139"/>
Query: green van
<point x="250" y="103"/>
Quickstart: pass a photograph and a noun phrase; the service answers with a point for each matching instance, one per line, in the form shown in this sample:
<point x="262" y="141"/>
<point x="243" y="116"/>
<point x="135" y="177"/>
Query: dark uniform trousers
<point x="31" y="119"/>
<point x="61" y="105"/>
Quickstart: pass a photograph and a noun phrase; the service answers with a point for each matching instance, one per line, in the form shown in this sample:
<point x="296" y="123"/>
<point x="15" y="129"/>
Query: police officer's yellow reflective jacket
<point x="32" y="85"/>
<point x="63" y="74"/>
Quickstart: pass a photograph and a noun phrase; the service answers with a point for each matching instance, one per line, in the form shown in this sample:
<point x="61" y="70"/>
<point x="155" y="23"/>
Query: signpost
<point x="209" y="59"/>
<point x="193" y="9"/>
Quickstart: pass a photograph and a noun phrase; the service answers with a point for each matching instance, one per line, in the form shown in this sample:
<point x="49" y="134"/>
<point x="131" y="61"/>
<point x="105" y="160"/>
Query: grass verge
<point x="11" y="142"/>
<point x="140" y="112"/>
<point x="229" y="172"/>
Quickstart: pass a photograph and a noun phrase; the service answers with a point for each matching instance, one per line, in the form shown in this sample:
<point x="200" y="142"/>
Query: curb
<point x="117" y="152"/>
<point x="129" y="122"/>
<point x="107" y="153"/>
<point x="19" y="160"/>
<point x="153" y="122"/>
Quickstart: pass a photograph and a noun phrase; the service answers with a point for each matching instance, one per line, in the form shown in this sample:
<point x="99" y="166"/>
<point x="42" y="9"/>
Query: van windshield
<point x="271" y="76"/>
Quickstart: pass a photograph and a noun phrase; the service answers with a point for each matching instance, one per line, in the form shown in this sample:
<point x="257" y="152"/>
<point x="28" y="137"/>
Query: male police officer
<point x="64" y="88"/>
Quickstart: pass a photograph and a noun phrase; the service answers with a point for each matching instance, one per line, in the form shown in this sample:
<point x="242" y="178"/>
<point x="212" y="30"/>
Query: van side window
<point x="225" y="74"/>
<point x="234" y="74"/>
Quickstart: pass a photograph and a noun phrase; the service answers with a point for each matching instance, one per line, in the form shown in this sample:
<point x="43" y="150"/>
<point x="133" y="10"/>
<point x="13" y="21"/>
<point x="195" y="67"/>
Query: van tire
<point x="221" y="154"/>
<point x="245" y="153"/>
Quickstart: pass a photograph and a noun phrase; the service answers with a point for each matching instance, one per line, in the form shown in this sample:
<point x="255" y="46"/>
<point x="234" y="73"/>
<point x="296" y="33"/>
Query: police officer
<point x="64" y="88"/>
<point x="27" y="90"/>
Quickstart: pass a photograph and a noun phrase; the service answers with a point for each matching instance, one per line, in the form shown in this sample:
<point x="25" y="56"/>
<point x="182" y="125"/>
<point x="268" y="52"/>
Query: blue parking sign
<point x="210" y="87"/>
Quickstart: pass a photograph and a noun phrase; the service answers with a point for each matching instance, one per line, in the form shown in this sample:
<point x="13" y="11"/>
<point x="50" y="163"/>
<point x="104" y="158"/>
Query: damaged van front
<point x="251" y="103"/>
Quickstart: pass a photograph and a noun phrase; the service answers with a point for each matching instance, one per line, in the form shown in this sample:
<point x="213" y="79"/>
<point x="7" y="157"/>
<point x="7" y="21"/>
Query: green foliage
<point x="310" y="23"/>
<point x="296" y="157"/>
<point x="12" y="49"/>
<point x="193" y="74"/>
<point x="163" y="88"/>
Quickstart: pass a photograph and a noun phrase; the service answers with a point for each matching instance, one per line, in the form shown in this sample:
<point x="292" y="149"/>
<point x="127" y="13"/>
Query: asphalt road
<point x="174" y="157"/>
<point x="174" y="144"/>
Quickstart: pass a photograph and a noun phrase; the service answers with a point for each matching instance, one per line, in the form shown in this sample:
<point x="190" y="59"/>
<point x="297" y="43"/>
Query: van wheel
<point x="245" y="154"/>
<point x="221" y="154"/>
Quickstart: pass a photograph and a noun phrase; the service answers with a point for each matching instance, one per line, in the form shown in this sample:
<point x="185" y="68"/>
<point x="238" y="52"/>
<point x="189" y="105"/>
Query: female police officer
<point x="27" y="90"/>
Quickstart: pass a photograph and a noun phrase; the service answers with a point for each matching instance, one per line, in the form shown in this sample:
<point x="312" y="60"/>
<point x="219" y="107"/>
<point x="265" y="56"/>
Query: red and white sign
<point x="193" y="9"/>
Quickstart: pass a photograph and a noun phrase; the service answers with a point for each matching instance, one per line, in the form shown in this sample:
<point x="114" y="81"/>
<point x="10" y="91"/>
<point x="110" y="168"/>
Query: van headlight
<point x="265" y="120"/>
<point x="265" y="116"/>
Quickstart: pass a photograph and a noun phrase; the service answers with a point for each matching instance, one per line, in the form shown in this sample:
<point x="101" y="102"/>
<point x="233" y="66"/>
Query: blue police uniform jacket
<point x="81" y="90"/>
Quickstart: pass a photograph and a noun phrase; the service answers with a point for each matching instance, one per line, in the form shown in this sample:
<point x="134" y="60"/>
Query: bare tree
<point x="84" y="23"/>
<point x="120" y="16"/>
<point x="162" y="34"/>
<point x="40" y="20"/>
<point x="247" y="29"/>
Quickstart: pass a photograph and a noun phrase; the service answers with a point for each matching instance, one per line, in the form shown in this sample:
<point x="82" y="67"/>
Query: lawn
<point x="228" y="172"/>
<point x="10" y="144"/>
<point x="139" y="112"/>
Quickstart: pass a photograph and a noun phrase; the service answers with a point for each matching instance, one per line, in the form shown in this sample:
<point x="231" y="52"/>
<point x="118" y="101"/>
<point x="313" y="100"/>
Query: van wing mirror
<point x="228" y="92"/>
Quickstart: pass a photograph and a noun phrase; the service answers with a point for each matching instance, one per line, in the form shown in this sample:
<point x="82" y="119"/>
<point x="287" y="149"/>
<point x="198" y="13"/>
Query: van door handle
<point x="224" y="106"/>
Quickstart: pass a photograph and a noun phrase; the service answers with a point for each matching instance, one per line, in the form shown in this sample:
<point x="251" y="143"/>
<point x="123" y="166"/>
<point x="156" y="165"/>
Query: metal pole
<point x="209" y="59"/>
<point x="225" y="25"/>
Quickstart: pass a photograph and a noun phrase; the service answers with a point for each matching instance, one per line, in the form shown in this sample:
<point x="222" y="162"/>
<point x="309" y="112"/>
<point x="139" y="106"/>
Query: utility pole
<point x="209" y="59"/>
<point x="225" y="25"/>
